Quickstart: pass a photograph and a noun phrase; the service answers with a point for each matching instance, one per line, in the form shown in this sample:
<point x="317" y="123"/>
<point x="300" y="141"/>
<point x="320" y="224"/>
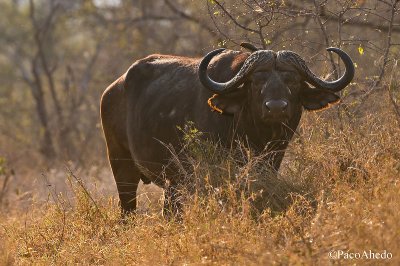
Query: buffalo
<point x="257" y="95"/>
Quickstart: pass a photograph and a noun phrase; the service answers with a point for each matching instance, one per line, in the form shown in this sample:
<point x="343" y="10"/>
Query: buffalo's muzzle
<point x="275" y="110"/>
<point x="276" y="107"/>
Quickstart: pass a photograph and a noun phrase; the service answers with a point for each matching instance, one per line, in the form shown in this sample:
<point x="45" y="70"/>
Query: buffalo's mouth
<point x="274" y="118"/>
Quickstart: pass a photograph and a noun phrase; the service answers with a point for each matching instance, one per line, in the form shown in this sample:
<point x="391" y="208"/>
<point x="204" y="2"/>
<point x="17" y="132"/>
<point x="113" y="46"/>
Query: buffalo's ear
<point x="229" y="103"/>
<point x="314" y="99"/>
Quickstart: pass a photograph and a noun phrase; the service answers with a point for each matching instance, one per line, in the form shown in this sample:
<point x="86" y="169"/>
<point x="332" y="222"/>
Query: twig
<point x="190" y="18"/>
<point x="234" y="20"/>
<point x="80" y="183"/>
<point x="4" y="187"/>
<point x="392" y="84"/>
<point x="385" y="58"/>
<point x="388" y="44"/>
<point x="326" y="39"/>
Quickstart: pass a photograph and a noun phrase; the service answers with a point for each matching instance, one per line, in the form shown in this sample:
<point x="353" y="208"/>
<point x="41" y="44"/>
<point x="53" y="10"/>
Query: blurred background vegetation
<point x="58" y="56"/>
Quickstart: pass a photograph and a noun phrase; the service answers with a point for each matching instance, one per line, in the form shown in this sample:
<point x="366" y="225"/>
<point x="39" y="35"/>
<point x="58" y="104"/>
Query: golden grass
<point x="338" y="190"/>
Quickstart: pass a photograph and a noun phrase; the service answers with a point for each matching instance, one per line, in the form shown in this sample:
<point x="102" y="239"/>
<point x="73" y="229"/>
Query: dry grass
<point x="338" y="190"/>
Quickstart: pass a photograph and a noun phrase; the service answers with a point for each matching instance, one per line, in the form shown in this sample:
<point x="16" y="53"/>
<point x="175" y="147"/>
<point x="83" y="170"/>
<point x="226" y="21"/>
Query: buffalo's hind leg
<point x="127" y="177"/>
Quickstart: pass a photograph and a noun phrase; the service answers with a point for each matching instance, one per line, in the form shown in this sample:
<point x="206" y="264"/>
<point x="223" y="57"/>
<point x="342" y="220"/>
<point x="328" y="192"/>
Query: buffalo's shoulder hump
<point x="225" y="66"/>
<point x="149" y="68"/>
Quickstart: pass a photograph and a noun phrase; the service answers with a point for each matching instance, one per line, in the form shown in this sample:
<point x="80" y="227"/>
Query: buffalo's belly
<point x="152" y="146"/>
<point x="155" y="139"/>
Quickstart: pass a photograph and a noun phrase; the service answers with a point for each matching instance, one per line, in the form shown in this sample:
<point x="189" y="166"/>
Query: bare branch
<point x="325" y="34"/>
<point x="190" y="18"/>
<point x="40" y="32"/>
<point x="234" y="20"/>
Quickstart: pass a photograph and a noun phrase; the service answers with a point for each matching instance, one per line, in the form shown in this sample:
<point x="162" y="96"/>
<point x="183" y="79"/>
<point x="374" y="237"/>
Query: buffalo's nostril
<point x="276" y="106"/>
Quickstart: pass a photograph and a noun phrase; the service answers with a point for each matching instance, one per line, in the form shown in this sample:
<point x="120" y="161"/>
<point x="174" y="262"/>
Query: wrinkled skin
<point x="141" y="110"/>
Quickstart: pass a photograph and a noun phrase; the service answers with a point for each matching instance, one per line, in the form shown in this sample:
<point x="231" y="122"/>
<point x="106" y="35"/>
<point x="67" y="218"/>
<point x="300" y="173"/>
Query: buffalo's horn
<point x="249" y="46"/>
<point x="293" y="59"/>
<point x="262" y="57"/>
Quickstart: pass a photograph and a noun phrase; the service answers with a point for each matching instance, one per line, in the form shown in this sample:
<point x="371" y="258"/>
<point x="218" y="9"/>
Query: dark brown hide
<point x="141" y="110"/>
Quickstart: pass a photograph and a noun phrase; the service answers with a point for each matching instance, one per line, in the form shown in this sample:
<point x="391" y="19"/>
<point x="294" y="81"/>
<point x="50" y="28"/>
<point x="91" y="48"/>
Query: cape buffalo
<point x="258" y="95"/>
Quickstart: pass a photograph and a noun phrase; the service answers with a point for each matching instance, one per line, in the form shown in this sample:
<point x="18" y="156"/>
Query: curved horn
<point x="249" y="46"/>
<point x="293" y="59"/>
<point x="264" y="57"/>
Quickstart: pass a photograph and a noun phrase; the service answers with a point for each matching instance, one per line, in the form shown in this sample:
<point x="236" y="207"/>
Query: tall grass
<point x="338" y="189"/>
